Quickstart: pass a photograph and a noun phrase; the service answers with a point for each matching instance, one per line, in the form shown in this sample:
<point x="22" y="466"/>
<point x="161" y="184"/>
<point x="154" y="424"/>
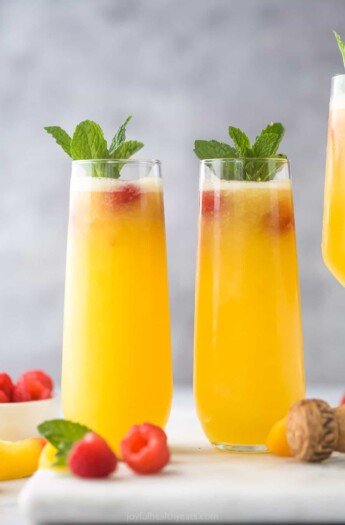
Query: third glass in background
<point x="333" y="239"/>
<point x="248" y="367"/>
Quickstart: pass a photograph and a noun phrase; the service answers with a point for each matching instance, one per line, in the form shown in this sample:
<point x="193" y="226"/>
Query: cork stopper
<point x="312" y="429"/>
<point x="339" y="413"/>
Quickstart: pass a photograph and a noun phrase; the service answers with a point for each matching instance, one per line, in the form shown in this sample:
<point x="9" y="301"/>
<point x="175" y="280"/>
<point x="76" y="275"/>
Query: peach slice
<point x="19" y="459"/>
<point x="276" y="441"/>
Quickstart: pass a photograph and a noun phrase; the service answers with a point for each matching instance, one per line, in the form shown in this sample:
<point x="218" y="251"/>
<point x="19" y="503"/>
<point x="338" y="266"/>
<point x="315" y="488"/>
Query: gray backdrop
<point x="185" y="69"/>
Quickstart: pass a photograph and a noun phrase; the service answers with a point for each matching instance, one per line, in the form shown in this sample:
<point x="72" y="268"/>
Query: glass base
<point x="247" y="449"/>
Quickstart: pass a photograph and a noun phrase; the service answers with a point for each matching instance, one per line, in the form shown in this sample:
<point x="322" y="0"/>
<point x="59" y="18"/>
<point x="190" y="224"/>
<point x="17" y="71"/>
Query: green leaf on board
<point x="62" y="434"/>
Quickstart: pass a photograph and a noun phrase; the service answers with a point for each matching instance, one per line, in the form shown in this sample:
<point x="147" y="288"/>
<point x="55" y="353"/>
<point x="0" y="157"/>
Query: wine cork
<point x="313" y="429"/>
<point x="339" y="413"/>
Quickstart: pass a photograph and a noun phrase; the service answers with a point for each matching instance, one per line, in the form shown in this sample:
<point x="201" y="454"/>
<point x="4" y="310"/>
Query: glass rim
<point x="337" y="75"/>
<point x="145" y="162"/>
<point x="241" y="159"/>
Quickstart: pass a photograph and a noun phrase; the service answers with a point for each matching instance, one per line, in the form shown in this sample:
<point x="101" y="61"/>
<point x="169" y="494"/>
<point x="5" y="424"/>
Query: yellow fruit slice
<point x="48" y="458"/>
<point x="19" y="459"/>
<point x="276" y="441"/>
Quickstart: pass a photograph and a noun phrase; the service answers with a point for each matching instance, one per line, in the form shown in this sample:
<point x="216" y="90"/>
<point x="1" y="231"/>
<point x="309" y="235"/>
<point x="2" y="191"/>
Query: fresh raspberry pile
<point x="6" y="388"/>
<point x="144" y="449"/>
<point x="31" y="386"/>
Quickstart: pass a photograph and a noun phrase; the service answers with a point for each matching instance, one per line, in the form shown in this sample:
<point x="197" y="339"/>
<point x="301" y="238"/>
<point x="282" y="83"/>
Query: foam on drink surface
<point x="337" y="102"/>
<point x="216" y="184"/>
<point x="104" y="184"/>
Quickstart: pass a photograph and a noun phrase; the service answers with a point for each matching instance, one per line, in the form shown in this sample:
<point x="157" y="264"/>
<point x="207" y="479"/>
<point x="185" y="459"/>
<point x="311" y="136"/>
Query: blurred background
<point x="184" y="69"/>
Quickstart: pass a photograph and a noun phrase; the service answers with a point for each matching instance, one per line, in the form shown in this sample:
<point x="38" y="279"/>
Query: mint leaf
<point x="274" y="127"/>
<point x="341" y="45"/>
<point x="241" y="141"/>
<point x="62" y="138"/>
<point x="124" y="151"/>
<point x="62" y="434"/>
<point x="212" y="149"/>
<point x="119" y="137"/>
<point x="57" y="431"/>
<point x="251" y="167"/>
<point x="266" y="145"/>
<point x="88" y="142"/>
<point x="127" y="149"/>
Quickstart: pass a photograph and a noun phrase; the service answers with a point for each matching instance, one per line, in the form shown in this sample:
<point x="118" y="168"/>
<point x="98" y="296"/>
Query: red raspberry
<point x="92" y="457"/>
<point x="210" y="202"/>
<point x="6" y="388"/>
<point x="145" y="449"/>
<point x="128" y="193"/>
<point x="342" y="401"/>
<point x="40" y="376"/>
<point x="3" y="397"/>
<point x="30" y="389"/>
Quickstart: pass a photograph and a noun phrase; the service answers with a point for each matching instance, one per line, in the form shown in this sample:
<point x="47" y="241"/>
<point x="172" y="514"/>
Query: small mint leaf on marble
<point x="62" y="434"/>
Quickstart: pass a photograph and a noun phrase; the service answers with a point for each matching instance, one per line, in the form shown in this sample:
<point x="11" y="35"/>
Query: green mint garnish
<point x="212" y="149"/>
<point x="62" y="138"/>
<point x="341" y="45"/>
<point x="119" y="137"/>
<point x="240" y="140"/>
<point x="88" y="143"/>
<point x="62" y="434"/>
<point x="265" y="146"/>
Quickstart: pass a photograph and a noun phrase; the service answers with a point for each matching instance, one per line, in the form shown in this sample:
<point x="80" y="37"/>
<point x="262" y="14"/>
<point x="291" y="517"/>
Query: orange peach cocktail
<point x="333" y="239"/>
<point x="116" y="346"/>
<point x="248" y="335"/>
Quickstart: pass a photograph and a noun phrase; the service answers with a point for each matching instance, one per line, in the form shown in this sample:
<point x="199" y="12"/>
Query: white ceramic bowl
<point x="20" y="420"/>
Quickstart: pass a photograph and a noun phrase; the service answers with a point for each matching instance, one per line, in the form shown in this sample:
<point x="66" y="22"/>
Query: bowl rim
<point x="29" y="403"/>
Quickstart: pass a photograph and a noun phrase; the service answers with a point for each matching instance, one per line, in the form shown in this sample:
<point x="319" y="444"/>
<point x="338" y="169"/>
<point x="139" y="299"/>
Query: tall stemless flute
<point x="116" y="347"/>
<point x="333" y="238"/>
<point x="248" y="336"/>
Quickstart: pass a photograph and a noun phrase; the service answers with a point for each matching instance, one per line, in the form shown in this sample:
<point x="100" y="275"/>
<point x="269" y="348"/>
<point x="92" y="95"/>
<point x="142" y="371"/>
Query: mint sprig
<point x="240" y="140"/>
<point x="341" y="45"/>
<point x="62" y="138"/>
<point x="265" y="146"/>
<point x="88" y="143"/>
<point x="212" y="149"/>
<point x="62" y="434"/>
<point x="119" y="137"/>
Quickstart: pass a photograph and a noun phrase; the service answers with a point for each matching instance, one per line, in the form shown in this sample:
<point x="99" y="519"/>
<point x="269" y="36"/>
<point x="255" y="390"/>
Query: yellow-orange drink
<point x="248" y="334"/>
<point x="333" y="239"/>
<point x="116" y="348"/>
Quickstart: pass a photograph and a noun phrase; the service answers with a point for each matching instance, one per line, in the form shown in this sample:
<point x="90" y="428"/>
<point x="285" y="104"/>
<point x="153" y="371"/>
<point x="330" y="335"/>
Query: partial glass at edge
<point x="116" y="345"/>
<point x="248" y="366"/>
<point x="333" y="238"/>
